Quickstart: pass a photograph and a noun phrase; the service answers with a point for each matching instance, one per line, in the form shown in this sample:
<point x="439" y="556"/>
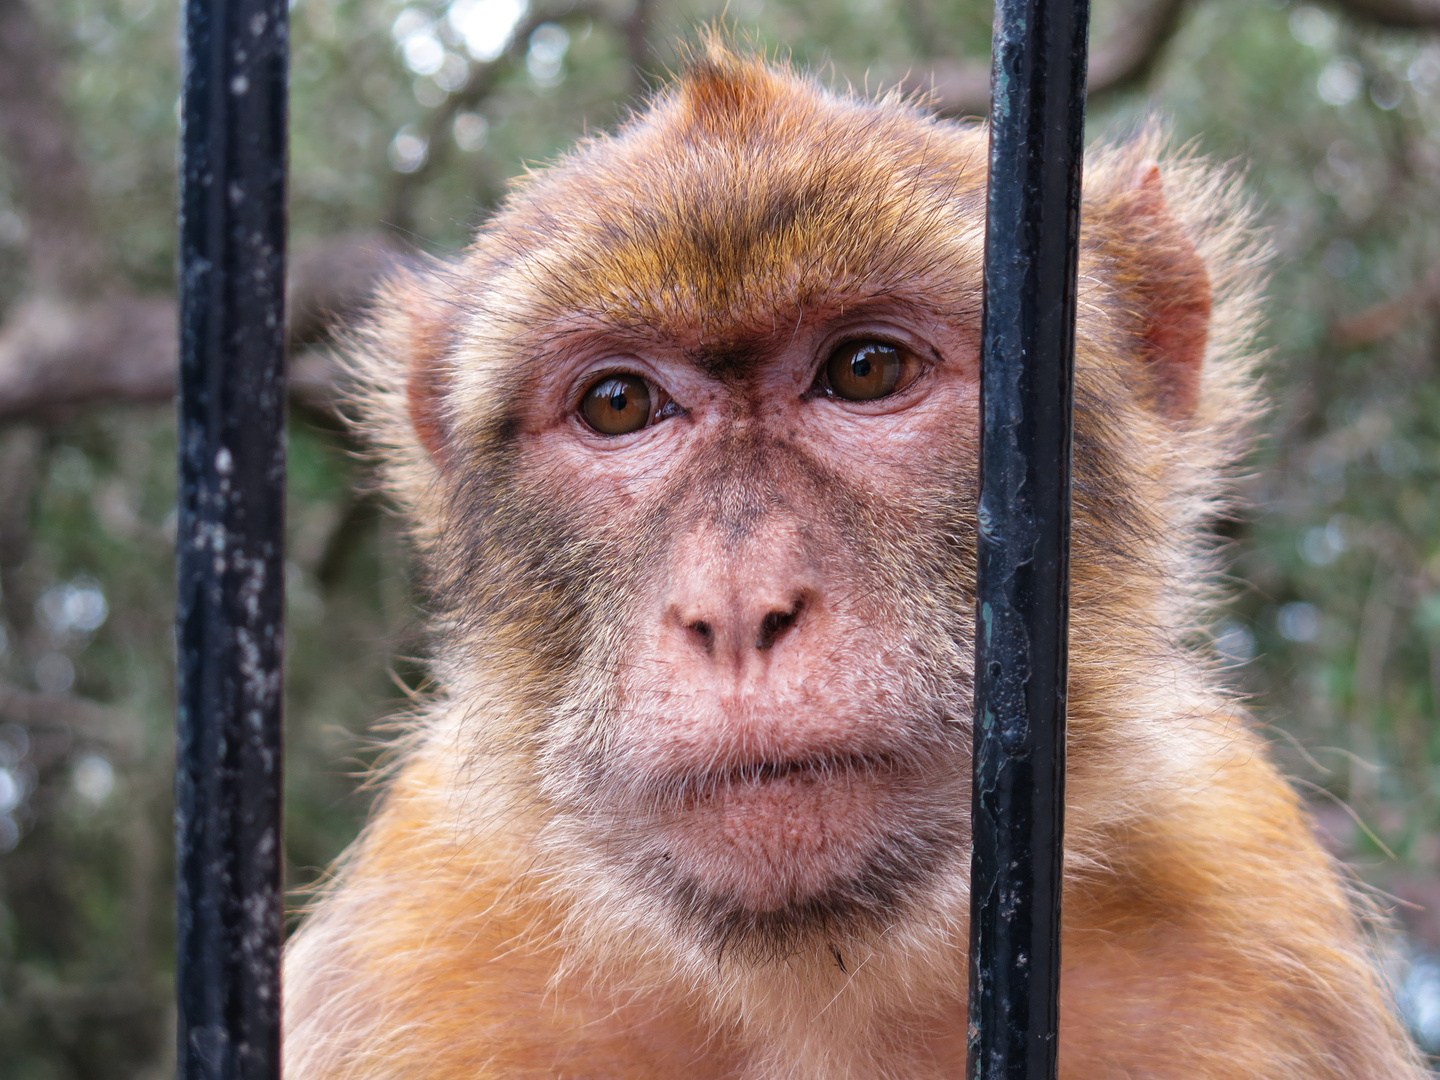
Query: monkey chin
<point x="763" y="858"/>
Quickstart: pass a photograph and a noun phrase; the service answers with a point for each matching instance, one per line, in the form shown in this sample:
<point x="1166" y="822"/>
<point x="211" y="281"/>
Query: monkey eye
<point x="867" y="370"/>
<point x="621" y="403"/>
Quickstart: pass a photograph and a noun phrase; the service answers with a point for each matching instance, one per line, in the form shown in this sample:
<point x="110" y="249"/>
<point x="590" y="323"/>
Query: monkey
<point x="687" y="442"/>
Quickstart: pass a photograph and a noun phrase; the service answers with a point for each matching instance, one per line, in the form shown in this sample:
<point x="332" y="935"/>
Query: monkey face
<point x="691" y="437"/>
<point x="783" y="732"/>
<point x="750" y="554"/>
<point x="706" y="466"/>
<point x="749" y="550"/>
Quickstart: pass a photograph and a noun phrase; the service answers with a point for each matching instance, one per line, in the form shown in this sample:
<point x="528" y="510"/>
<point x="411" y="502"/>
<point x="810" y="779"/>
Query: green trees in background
<point x="408" y="119"/>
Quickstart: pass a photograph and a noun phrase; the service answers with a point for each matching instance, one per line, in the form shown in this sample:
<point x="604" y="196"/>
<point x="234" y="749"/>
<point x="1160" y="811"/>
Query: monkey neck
<point x="827" y="1010"/>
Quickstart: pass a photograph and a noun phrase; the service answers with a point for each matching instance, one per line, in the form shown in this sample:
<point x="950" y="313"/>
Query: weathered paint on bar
<point x="1032" y="242"/>
<point x="231" y="566"/>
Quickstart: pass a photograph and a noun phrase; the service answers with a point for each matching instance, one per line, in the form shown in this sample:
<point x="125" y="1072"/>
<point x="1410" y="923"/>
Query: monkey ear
<point x="1173" y="296"/>
<point x="427" y="340"/>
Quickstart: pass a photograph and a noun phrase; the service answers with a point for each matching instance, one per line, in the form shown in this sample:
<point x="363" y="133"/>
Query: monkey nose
<point x="731" y="633"/>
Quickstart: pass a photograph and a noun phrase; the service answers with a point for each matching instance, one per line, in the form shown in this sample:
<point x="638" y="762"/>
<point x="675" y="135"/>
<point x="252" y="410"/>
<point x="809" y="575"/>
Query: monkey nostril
<point x="775" y="624"/>
<point x="703" y="633"/>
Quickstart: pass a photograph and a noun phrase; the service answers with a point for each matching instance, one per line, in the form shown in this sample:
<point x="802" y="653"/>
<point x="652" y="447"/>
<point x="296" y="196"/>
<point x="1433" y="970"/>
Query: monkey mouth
<point x="759" y="773"/>
<point x="765" y="833"/>
<point x="764" y="854"/>
<point x="775" y="811"/>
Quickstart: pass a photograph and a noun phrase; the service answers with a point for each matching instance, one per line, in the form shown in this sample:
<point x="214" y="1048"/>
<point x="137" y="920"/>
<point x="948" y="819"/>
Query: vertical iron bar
<point x="230" y="555"/>
<point x="1031" y="245"/>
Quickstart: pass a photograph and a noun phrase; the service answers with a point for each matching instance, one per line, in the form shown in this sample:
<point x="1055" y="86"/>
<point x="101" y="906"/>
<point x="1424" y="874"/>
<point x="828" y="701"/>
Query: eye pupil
<point x="866" y="370"/>
<point x="617" y="405"/>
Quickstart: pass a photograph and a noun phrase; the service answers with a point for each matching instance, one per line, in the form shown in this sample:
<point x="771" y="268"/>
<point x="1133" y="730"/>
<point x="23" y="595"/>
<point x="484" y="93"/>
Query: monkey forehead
<point x="744" y="196"/>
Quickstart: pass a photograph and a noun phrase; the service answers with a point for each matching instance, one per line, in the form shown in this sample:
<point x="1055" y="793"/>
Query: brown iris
<point x="866" y="370"/>
<point x="617" y="405"/>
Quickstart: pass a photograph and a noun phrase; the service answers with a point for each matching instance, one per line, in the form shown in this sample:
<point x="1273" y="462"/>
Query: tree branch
<point x="87" y="719"/>
<point x="1383" y="320"/>
<point x="406" y="187"/>
<point x="57" y="353"/>
<point x="1125" y="59"/>
<point x="1130" y="54"/>
<point x="1399" y="14"/>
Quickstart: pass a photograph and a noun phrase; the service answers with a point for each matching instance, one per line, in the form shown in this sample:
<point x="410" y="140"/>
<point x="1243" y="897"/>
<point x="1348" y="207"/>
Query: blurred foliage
<point x="1335" y="625"/>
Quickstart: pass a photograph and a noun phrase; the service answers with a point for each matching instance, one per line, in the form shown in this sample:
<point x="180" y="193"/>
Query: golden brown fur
<point x="479" y="929"/>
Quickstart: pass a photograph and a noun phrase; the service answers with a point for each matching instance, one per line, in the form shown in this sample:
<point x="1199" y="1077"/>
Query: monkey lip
<point x="763" y="773"/>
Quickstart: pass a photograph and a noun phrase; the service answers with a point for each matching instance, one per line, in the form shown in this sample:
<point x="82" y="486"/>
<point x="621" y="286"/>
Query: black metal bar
<point x="231" y="566"/>
<point x="1037" y="121"/>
